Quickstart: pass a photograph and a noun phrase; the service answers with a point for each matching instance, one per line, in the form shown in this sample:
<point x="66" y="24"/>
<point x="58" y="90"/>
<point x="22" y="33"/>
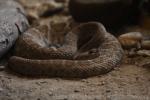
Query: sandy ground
<point x="127" y="82"/>
<point x="130" y="81"/>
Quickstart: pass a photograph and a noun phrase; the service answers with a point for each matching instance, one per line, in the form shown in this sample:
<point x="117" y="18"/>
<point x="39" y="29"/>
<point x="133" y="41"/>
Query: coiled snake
<point x="88" y="50"/>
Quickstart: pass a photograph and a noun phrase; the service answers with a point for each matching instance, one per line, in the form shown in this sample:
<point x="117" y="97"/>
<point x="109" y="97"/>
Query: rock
<point x="38" y="99"/>
<point x="144" y="60"/>
<point x="76" y="90"/>
<point x="131" y="40"/>
<point x="15" y="17"/>
<point x="145" y="44"/>
<point x="8" y="35"/>
<point x="112" y="13"/>
<point x="42" y="8"/>
<point x="1" y="89"/>
<point x="11" y="4"/>
<point x="146" y="6"/>
<point x="146" y="65"/>
<point x="50" y="93"/>
<point x="2" y="68"/>
<point x="108" y="91"/>
<point x="50" y="9"/>
<point x="62" y="1"/>
<point x="12" y="23"/>
<point x="143" y="53"/>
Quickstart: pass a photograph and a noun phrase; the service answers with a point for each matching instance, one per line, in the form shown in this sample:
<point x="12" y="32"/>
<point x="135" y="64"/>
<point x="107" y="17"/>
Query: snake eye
<point x="93" y="51"/>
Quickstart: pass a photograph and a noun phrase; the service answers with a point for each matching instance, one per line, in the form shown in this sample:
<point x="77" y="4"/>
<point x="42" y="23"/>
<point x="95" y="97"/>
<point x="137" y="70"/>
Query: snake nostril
<point x="93" y="51"/>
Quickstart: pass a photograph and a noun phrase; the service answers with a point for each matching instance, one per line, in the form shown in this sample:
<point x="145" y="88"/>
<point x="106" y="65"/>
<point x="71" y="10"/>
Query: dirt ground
<point x="127" y="82"/>
<point x="130" y="81"/>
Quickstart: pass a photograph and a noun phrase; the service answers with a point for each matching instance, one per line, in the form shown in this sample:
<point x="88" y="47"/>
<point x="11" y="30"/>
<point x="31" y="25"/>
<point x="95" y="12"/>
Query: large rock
<point x="12" y="22"/>
<point x="11" y="4"/>
<point x="112" y="13"/>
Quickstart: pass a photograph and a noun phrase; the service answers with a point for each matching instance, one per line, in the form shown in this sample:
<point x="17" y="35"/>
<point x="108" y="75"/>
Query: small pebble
<point x="108" y="91"/>
<point x="50" y="94"/>
<point x="1" y="89"/>
<point x="65" y="99"/>
<point x="38" y="99"/>
<point x="37" y="83"/>
<point x="76" y="90"/>
<point x="145" y="44"/>
<point x="103" y="83"/>
<point x="43" y="82"/>
<point x="84" y="80"/>
<point x="50" y="9"/>
<point x="137" y="78"/>
<point x="42" y="8"/>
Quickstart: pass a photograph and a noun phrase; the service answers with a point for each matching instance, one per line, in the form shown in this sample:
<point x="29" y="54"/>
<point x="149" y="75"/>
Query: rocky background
<point x="129" y="81"/>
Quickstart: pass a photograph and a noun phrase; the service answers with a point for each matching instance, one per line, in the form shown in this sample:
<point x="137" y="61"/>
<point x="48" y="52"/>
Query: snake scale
<point x="87" y="50"/>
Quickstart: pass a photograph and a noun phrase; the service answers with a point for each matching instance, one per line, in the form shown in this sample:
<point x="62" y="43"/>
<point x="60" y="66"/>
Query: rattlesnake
<point x="88" y="50"/>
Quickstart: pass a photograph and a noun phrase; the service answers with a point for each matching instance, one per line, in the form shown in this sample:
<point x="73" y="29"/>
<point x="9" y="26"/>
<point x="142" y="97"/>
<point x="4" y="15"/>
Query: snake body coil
<point x="88" y="50"/>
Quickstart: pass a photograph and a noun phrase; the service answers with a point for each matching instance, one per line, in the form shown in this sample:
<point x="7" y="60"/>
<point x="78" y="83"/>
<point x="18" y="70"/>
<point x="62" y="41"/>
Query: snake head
<point x="90" y="37"/>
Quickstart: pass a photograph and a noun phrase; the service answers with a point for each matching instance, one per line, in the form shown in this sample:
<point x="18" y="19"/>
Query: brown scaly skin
<point x="39" y="60"/>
